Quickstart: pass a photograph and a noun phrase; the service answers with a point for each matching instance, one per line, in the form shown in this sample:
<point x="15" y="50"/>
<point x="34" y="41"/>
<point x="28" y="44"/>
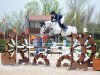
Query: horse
<point x="55" y="29"/>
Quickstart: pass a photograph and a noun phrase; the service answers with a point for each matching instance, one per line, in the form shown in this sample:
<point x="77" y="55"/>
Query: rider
<point x="57" y="18"/>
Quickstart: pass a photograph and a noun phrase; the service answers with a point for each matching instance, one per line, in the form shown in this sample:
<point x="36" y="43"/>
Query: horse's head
<point x="44" y="26"/>
<point x="48" y="23"/>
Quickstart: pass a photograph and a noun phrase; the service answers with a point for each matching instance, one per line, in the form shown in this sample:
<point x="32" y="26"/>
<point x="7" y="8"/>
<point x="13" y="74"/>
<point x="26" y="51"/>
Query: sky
<point x="7" y="6"/>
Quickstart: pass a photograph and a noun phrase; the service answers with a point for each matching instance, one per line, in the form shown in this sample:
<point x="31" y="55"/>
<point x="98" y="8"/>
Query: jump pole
<point x="29" y="50"/>
<point x="71" y="51"/>
<point x="16" y="52"/>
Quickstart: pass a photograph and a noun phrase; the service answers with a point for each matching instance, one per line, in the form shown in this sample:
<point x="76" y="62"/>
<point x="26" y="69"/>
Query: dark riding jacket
<point x="56" y="18"/>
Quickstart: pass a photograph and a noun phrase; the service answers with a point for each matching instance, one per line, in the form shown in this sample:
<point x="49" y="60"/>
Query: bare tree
<point x="86" y="15"/>
<point x="6" y="23"/>
<point x="98" y="19"/>
<point x="76" y="5"/>
<point x="76" y="10"/>
<point x="18" y="21"/>
<point x="97" y="23"/>
<point x="90" y="12"/>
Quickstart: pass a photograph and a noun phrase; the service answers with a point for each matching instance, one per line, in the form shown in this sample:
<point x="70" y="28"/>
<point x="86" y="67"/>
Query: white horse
<point x="56" y="29"/>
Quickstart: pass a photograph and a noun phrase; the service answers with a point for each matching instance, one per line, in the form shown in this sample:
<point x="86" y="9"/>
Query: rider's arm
<point x="59" y="17"/>
<point x="52" y="19"/>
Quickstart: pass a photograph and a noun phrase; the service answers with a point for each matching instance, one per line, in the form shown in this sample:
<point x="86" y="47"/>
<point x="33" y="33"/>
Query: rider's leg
<point x="62" y="26"/>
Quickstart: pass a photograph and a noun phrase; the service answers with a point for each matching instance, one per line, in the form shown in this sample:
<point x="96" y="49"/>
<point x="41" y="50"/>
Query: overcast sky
<point x="8" y="6"/>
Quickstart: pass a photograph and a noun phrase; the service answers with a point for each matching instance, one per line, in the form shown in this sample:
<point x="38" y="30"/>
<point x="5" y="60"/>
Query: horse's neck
<point x="48" y="24"/>
<point x="55" y="25"/>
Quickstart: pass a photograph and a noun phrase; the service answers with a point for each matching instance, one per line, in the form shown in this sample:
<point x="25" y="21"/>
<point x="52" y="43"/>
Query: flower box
<point x="96" y="64"/>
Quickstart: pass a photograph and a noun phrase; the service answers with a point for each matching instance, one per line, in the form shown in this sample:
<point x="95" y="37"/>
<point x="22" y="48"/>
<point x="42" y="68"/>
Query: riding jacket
<point x="57" y="18"/>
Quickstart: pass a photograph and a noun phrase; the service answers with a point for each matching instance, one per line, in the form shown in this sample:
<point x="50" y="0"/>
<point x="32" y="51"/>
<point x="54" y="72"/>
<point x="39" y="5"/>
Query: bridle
<point x="49" y="26"/>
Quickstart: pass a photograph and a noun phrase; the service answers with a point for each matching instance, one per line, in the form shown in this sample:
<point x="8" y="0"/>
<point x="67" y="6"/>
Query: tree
<point x="89" y="24"/>
<point x="18" y="21"/>
<point x="76" y="10"/>
<point x="49" y="5"/>
<point x="76" y="5"/>
<point x="2" y="26"/>
<point x="98" y="18"/>
<point x="73" y="19"/>
<point x="6" y="23"/>
<point x="88" y="13"/>
<point x="97" y="23"/>
<point x="32" y="8"/>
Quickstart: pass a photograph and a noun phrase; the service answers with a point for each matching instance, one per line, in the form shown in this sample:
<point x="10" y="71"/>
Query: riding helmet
<point x="53" y="12"/>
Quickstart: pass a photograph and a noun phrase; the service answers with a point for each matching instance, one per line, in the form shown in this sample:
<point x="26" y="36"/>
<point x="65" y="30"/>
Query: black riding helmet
<point x="53" y="12"/>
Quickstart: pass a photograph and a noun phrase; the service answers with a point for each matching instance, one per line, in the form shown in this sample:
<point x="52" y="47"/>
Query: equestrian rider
<point x="57" y="18"/>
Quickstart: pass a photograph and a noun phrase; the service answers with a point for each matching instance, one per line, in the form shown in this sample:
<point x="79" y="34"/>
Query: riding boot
<point x="64" y="30"/>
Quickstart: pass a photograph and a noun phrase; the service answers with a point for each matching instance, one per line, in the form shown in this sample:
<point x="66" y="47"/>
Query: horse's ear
<point x="42" y="23"/>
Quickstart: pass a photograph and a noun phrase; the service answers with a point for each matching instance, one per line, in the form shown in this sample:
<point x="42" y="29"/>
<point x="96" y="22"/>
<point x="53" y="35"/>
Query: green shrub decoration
<point x="2" y="45"/>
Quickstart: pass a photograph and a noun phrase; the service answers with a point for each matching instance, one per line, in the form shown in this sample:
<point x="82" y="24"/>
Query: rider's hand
<point x="54" y="20"/>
